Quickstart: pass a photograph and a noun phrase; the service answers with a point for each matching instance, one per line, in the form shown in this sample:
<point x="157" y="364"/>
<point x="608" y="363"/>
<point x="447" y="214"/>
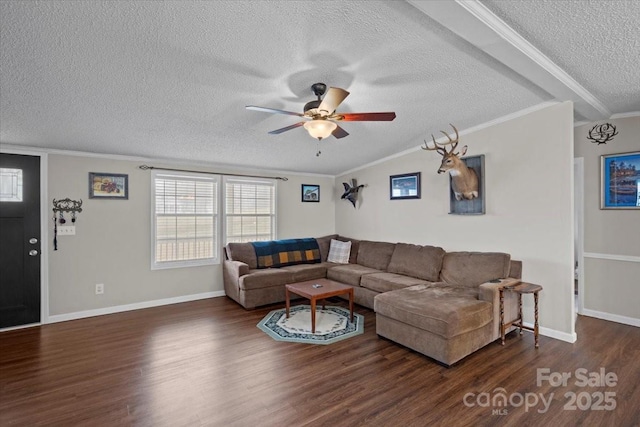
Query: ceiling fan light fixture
<point x="320" y="128"/>
<point x="321" y="114"/>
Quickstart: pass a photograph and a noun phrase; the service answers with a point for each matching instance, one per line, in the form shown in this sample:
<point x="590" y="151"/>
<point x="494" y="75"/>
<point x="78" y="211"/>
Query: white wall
<point x="529" y="206"/>
<point x="529" y="185"/>
<point x="112" y="245"/>
<point x="309" y="219"/>
<point x="611" y="237"/>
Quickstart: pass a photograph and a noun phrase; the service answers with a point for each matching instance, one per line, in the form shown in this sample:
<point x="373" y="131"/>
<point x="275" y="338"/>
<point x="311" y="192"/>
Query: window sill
<point x="184" y="264"/>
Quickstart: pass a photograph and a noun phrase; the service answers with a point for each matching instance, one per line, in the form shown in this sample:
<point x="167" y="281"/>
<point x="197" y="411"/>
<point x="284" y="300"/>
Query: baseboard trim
<point x="15" y="328"/>
<point x="631" y="321"/>
<point x="552" y="333"/>
<point x="135" y="306"/>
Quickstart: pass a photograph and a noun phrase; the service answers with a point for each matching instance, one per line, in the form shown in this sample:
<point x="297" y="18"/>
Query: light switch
<point x="66" y="230"/>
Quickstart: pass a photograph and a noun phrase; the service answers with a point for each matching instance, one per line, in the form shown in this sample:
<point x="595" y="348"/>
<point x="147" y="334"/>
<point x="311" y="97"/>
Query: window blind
<point x="250" y="210"/>
<point x="185" y="219"/>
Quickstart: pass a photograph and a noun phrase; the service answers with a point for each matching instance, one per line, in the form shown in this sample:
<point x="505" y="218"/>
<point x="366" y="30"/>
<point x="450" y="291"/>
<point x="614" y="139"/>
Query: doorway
<point x="20" y="240"/>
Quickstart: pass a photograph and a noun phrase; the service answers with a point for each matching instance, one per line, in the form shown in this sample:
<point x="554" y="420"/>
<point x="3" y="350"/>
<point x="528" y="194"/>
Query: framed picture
<point x="475" y="206"/>
<point x="620" y="181"/>
<point x="310" y="193"/>
<point x="405" y="186"/>
<point x="108" y="186"/>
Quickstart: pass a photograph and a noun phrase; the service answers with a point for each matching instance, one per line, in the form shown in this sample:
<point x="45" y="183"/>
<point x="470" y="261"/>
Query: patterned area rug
<point x="332" y="324"/>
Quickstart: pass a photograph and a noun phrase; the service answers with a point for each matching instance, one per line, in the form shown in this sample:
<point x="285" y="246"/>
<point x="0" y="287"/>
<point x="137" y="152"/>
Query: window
<point x="185" y="219"/>
<point x="10" y="185"/>
<point x="250" y="209"/>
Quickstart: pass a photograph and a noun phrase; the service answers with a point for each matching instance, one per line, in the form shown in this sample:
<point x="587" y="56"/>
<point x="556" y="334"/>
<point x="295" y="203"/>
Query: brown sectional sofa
<point x="442" y="304"/>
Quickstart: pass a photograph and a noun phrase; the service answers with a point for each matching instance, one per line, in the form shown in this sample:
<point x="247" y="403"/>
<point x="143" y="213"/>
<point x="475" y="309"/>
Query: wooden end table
<point x="309" y="289"/>
<point x="520" y="288"/>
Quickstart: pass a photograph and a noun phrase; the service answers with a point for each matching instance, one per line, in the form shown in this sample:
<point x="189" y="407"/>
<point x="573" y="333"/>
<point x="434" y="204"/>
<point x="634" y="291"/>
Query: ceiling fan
<point x="322" y="115"/>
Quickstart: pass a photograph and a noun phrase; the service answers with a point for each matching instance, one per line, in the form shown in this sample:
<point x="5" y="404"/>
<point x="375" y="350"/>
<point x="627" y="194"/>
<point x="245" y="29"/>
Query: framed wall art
<point x="405" y="186"/>
<point x="476" y="205"/>
<point x="620" y="181"/>
<point x="310" y="193"/>
<point x="108" y="186"/>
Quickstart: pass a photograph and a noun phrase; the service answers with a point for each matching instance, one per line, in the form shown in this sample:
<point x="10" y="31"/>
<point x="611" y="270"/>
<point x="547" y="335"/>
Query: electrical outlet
<point x="99" y="289"/>
<point x="66" y="230"/>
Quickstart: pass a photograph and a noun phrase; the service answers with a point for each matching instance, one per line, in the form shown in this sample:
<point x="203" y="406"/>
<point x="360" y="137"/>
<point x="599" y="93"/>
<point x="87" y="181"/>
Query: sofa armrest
<point x="490" y="292"/>
<point x="238" y="268"/>
<point x="515" y="269"/>
<point x="231" y="273"/>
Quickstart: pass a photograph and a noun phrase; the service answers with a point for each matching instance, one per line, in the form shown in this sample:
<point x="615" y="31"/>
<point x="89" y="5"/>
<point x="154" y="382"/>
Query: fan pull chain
<point x="319" y="152"/>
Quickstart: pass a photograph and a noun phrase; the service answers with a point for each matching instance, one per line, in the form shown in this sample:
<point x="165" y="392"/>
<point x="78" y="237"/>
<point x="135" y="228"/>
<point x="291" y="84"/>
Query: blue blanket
<point x="280" y="253"/>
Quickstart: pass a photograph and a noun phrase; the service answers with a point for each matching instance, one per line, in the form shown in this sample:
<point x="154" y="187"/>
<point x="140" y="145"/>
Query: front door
<point x="19" y="240"/>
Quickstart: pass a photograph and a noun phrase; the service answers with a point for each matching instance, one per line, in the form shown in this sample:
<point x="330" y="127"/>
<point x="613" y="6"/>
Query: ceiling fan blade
<point x="339" y="132"/>
<point x="332" y="99"/>
<point x="273" y="110"/>
<point x="366" y="117"/>
<point x="277" y="131"/>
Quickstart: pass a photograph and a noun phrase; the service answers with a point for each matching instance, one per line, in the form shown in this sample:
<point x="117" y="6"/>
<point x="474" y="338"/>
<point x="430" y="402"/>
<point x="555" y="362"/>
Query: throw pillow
<point x="339" y="252"/>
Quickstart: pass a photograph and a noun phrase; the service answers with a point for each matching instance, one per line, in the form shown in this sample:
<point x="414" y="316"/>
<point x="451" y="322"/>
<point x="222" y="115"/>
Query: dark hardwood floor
<point x="206" y="363"/>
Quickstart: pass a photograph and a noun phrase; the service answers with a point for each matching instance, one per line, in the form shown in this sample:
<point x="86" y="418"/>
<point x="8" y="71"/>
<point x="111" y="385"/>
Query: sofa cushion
<point x="474" y="268"/>
<point x="349" y="273"/>
<point x="355" y="245"/>
<point x="266" y="278"/>
<point x="304" y="272"/>
<point x="423" y="262"/>
<point x="375" y="254"/>
<point x="324" y="243"/>
<point x="385" y="282"/>
<point x="243" y="252"/>
<point x="339" y="252"/>
<point x="443" y="310"/>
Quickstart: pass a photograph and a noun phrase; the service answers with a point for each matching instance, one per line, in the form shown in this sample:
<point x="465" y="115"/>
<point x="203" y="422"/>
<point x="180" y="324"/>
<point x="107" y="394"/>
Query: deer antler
<point x="451" y="141"/>
<point x="436" y="147"/>
<point x="440" y="147"/>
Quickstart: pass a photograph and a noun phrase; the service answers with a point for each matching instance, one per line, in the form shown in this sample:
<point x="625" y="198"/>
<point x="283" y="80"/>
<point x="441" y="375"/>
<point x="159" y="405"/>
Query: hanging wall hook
<point x="59" y="208"/>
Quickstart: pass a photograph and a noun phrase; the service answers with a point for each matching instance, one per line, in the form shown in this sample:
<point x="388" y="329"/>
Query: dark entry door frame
<point x="45" y="216"/>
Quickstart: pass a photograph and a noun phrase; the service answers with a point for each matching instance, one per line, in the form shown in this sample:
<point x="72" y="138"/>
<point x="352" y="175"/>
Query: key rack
<point x="61" y="206"/>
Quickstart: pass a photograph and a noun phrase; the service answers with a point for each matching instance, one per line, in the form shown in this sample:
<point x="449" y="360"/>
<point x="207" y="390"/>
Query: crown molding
<point x="472" y="129"/>
<point x="231" y="168"/>
<point x="625" y="115"/>
<point x="618" y="116"/>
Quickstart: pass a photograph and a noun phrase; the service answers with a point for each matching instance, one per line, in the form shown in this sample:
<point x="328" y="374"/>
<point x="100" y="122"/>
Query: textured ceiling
<point x="170" y="80"/>
<point x="596" y="42"/>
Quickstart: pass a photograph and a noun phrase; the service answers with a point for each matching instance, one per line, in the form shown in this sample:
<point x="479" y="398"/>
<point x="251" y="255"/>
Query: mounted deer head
<point x="463" y="179"/>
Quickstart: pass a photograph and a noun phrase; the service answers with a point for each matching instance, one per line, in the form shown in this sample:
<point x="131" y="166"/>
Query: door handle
<point x="33" y="252"/>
